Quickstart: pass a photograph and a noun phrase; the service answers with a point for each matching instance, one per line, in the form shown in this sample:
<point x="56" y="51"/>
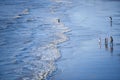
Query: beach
<point x="59" y="40"/>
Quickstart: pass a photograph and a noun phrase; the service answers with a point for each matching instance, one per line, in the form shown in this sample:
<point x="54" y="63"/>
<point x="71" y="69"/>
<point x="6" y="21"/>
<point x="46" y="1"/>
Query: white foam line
<point x="53" y="51"/>
<point x="24" y="12"/>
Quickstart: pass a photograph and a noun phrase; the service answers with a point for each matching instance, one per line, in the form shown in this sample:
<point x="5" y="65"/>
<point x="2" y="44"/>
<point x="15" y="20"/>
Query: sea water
<point x="29" y="34"/>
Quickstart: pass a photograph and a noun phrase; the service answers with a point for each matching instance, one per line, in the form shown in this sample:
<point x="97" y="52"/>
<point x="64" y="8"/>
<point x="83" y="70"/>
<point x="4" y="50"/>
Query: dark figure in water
<point x="110" y="18"/>
<point x="110" y="21"/>
<point x="58" y="20"/>
<point x="111" y="44"/>
<point x="111" y="40"/>
<point x="106" y="43"/>
<point x="111" y="50"/>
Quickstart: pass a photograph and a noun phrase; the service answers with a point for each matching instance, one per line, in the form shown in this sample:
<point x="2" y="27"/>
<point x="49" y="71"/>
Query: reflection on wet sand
<point x="111" y="23"/>
<point x="111" y="49"/>
<point x="106" y="46"/>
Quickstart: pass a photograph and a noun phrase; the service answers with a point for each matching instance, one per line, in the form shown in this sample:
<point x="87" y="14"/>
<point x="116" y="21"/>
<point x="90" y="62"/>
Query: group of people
<point x="108" y="41"/>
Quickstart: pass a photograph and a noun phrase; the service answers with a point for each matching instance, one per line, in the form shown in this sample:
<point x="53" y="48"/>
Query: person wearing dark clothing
<point x="110" y="21"/>
<point x="58" y="20"/>
<point x="111" y="44"/>
<point x="110" y="18"/>
<point x="106" y="43"/>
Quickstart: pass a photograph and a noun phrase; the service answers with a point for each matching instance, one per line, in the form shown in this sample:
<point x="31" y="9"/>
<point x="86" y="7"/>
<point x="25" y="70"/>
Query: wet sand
<point x="82" y="56"/>
<point x="87" y="61"/>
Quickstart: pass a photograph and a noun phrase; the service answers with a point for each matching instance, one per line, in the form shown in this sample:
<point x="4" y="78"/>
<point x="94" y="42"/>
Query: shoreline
<point x="62" y="29"/>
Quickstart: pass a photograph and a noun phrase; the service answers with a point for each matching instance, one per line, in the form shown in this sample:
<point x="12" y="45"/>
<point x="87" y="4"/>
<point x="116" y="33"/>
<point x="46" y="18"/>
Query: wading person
<point x="58" y="20"/>
<point x="110" y="21"/>
<point x="106" y="43"/>
<point x="111" y="40"/>
<point x="111" y="44"/>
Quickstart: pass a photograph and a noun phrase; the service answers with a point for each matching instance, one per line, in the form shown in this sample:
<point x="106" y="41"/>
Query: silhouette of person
<point x="110" y="21"/>
<point x="106" y="43"/>
<point x="99" y="42"/>
<point x="111" y="44"/>
<point x="111" y="40"/>
<point x="110" y="18"/>
<point x="58" y="20"/>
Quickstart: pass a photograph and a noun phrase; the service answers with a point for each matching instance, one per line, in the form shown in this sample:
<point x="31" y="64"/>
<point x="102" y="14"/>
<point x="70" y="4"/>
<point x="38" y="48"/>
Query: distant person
<point x="111" y="40"/>
<point x="110" y="21"/>
<point x="58" y="20"/>
<point x="111" y="44"/>
<point x="106" y="40"/>
<point x="110" y="18"/>
<point x="99" y="42"/>
<point x="106" y="43"/>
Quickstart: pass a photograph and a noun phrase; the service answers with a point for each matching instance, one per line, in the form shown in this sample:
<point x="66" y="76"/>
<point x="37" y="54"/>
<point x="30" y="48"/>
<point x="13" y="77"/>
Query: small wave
<point x="52" y="49"/>
<point x="24" y="12"/>
<point x="30" y="19"/>
<point x="17" y="17"/>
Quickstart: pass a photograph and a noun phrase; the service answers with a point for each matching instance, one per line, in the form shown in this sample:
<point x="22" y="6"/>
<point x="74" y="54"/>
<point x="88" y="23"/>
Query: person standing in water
<point x="111" y="40"/>
<point x="106" y="43"/>
<point x="110" y="21"/>
<point x="99" y="42"/>
<point x="58" y="20"/>
<point x="110" y="18"/>
<point x="111" y="44"/>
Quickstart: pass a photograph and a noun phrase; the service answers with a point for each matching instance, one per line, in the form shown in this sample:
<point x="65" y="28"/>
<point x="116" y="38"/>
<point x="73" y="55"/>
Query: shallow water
<point x="29" y="34"/>
<point x="82" y="56"/>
